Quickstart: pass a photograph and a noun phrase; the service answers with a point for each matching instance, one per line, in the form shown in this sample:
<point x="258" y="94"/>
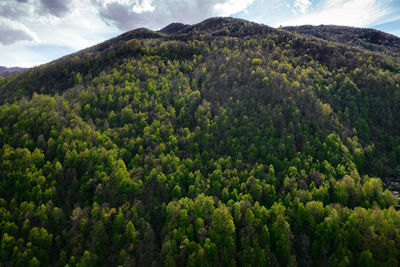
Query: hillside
<point x="368" y="39"/>
<point x="4" y="71"/>
<point x="173" y="28"/>
<point x="217" y="144"/>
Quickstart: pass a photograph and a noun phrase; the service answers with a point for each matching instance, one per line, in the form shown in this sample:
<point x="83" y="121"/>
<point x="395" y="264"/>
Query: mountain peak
<point x="173" y="28"/>
<point x="222" y="143"/>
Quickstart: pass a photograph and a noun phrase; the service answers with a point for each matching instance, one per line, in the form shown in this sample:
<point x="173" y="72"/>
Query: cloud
<point x="154" y="14"/>
<point x="23" y="54"/>
<point x="392" y="26"/>
<point x="15" y="9"/>
<point x="302" y="5"/>
<point x="81" y="27"/>
<point x="11" y="10"/>
<point x="57" y="8"/>
<point x="231" y="7"/>
<point x="356" y="13"/>
<point x="12" y="32"/>
<point x="143" y="6"/>
<point x="137" y="6"/>
<point x="37" y="31"/>
<point x="36" y="36"/>
<point x="115" y="13"/>
<point x="10" y="36"/>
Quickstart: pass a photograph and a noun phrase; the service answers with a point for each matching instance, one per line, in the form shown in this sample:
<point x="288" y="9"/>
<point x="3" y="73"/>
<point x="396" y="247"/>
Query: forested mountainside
<point x="218" y="144"/>
<point x="369" y="39"/>
<point x="174" y="28"/>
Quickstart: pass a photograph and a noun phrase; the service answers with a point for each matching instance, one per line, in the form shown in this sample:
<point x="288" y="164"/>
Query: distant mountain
<point x="173" y="28"/>
<point x="4" y="71"/>
<point x="224" y="143"/>
<point x="369" y="39"/>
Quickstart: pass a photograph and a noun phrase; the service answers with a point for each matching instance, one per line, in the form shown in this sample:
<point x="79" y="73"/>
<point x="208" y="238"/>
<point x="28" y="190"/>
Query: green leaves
<point x="251" y="149"/>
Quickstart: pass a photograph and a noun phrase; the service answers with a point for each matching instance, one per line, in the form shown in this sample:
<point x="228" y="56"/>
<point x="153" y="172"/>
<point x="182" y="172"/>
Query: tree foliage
<point x="228" y="143"/>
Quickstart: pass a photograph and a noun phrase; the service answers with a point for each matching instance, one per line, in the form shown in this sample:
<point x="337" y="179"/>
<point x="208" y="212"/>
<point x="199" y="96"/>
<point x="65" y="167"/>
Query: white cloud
<point x="19" y="55"/>
<point x="13" y="31"/>
<point x="302" y="5"/>
<point x="136" y="6"/>
<point x="356" y="13"/>
<point x="45" y="37"/>
<point x="33" y="30"/>
<point x="81" y="28"/>
<point x="88" y="22"/>
<point x="232" y="6"/>
<point x="154" y="14"/>
<point x="143" y="6"/>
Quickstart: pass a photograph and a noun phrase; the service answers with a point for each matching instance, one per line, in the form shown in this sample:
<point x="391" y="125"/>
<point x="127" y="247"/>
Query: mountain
<point x="173" y="28"/>
<point x="4" y="71"/>
<point x="369" y="39"/>
<point x="221" y="143"/>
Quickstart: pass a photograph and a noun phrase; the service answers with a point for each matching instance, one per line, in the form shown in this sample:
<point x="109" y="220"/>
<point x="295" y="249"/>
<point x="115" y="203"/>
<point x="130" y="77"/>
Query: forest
<point x="225" y="143"/>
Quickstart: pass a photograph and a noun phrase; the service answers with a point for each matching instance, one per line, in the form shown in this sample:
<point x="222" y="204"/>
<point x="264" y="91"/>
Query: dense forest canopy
<point x="370" y="39"/>
<point x="225" y="143"/>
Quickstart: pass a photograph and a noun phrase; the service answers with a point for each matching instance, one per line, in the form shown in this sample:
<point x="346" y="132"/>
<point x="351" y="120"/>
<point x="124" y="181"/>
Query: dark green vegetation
<point x="223" y="143"/>
<point x="366" y="38"/>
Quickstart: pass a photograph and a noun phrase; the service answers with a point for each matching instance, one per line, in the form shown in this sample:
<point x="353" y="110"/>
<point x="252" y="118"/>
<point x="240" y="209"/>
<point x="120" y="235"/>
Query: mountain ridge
<point x="177" y="28"/>
<point x="366" y="38"/>
<point x="173" y="28"/>
<point x="209" y="28"/>
<point x="226" y="143"/>
<point x="5" y="71"/>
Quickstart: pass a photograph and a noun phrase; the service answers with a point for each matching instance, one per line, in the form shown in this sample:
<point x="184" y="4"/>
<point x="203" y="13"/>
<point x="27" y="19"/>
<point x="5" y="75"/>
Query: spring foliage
<point x="229" y="143"/>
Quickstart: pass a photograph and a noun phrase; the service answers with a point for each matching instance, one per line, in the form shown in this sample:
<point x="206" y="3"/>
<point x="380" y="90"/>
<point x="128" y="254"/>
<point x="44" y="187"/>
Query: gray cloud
<point x="117" y="14"/>
<point x="12" y="10"/>
<point x="16" y="9"/>
<point x="9" y="35"/>
<point x="126" y="15"/>
<point x="54" y="7"/>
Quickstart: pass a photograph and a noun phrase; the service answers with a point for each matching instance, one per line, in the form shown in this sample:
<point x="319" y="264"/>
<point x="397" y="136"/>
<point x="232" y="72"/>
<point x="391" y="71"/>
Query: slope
<point x="225" y="143"/>
<point x="173" y="28"/>
<point x="4" y="71"/>
<point x="368" y="39"/>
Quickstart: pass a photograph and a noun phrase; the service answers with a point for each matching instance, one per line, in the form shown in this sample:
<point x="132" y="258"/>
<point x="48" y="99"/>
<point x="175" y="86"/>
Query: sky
<point x="33" y="32"/>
